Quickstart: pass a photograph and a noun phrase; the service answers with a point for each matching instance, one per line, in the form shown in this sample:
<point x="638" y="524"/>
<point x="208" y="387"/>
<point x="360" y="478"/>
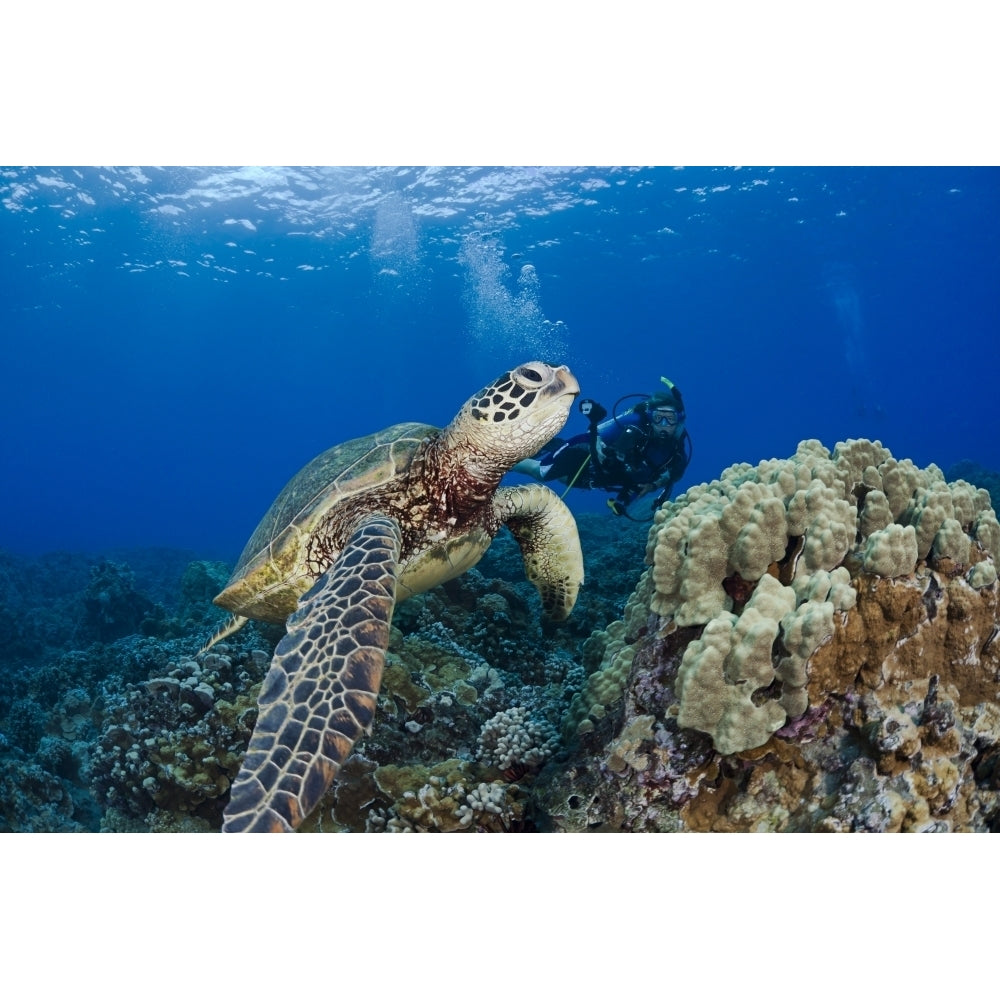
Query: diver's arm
<point x="664" y="484"/>
<point x="671" y="476"/>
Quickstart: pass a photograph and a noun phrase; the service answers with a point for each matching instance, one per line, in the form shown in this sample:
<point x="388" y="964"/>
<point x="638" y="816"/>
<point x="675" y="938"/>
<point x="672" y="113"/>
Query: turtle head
<point x="512" y="418"/>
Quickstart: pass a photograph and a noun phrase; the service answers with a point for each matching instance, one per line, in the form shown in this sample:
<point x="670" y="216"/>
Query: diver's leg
<point x="569" y="466"/>
<point x="530" y="467"/>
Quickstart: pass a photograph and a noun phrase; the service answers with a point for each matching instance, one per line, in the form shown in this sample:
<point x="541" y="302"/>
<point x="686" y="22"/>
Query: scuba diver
<point x="630" y="454"/>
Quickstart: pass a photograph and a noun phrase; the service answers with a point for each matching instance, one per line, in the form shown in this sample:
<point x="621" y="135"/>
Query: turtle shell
<point x="302" y="533"/>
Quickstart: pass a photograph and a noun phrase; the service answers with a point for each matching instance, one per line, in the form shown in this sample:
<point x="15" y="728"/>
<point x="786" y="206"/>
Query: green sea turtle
<point x="368" y="523"/>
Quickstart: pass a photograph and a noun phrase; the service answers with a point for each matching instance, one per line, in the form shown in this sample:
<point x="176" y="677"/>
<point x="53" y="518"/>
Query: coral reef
<point x="812" y="644"/>
<point x="465" y="716"/>
<point x="978" y="475"/>
<point x="137" y="733"/>
<point x="773" y="678"/>
<point x="512" y="742"/>
<point x="112" y="606"/>
<point x="170" y="746"/>
<point x="33" y="800"/>
<point x="446" y="799"/>
<point x="66" y="688"/>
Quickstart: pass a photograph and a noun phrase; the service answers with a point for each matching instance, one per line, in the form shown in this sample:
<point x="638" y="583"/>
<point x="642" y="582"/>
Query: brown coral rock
<point x="904" y="631"/>
<point x="895" y="724"/>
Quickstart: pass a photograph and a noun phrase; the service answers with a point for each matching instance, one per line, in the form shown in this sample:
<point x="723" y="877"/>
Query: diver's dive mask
<point x="664" y="417"/>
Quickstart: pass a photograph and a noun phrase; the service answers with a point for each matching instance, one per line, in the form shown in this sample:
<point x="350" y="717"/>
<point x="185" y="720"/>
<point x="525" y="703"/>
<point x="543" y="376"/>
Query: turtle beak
<point x="564" y="383"/>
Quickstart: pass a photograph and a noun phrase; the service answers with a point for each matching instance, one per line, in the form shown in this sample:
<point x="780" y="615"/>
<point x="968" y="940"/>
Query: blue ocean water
<point x="178" y="342"/>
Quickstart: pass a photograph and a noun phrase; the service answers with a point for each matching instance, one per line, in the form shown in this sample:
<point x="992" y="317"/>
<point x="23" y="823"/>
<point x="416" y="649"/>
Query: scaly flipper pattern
<point x="319" y="694"/>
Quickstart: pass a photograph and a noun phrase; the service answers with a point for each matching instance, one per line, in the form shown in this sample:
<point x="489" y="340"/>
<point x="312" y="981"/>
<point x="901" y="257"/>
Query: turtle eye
<point x="530" y="374"/>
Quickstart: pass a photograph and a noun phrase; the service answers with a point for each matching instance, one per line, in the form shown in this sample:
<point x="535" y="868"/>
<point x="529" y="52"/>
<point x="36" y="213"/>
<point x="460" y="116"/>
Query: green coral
<point x="608" y="658"/>
<point x="416" y="669"/>
<point x="723" y="672"/>
<point x="951" y="542"/>
<point x="891" y="552"/>
<point x="983" y="574"/>
<point x="986" y="531"/>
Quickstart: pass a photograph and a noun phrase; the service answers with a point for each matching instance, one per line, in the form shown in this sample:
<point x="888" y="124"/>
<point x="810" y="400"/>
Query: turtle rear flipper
<point x="232" y="625"/>
<point x="546" y="533"/>
<point x="319" y="694"/>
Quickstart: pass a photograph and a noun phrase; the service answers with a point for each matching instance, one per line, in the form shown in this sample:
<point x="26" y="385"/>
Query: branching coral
<point x="511" y="740"/>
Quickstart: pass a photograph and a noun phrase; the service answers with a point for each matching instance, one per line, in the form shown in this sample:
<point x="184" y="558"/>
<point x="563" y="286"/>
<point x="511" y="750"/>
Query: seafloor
<point x="840" y="685"/>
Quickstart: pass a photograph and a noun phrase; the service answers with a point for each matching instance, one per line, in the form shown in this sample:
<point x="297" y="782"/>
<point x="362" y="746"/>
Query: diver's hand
<point x="594" y="412"/>
<point x="617" y="507"/>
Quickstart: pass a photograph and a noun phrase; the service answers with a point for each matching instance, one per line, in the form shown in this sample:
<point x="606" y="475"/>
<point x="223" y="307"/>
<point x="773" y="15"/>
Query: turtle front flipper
<point x="319" y="694"/>
<point x="545" y="531"/>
